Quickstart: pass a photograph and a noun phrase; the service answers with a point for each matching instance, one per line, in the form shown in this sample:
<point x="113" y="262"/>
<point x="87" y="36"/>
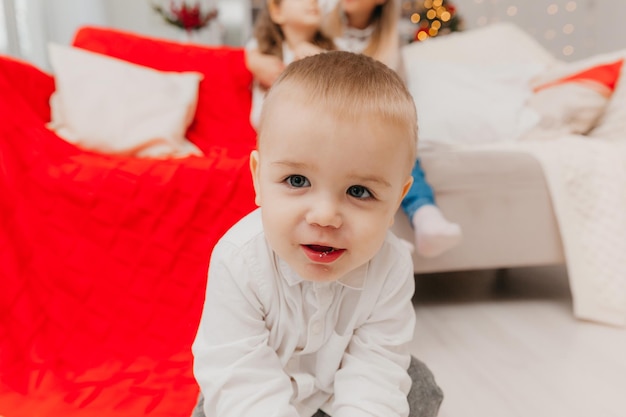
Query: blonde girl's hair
<point x="352" y="87"/>
<point x="384" y="43"/>
<point x="270" y="37"/>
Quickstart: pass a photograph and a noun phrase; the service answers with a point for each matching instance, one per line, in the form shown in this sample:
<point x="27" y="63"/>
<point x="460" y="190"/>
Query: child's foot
<point x="433" y="233"/>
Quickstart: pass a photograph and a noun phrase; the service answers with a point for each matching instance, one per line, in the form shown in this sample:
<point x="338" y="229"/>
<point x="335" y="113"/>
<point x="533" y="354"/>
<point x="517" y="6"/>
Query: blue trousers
<point x="420" y="193"/>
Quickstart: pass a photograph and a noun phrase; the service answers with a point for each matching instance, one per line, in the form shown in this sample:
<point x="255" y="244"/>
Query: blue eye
<point x="358" y="191"/>
<point x="297" y="181"/>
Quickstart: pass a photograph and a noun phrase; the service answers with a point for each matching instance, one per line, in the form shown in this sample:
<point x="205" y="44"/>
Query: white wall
<point x="139" y="16"/>
<point x="231" y="27"/>
<point x="64" y="16"/>
<point x="43" y="21"/>
<point x="596" y="25"/>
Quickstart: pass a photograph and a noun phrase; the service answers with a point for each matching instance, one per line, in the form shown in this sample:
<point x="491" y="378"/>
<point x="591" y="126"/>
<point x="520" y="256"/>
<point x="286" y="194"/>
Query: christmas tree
<point x="431" y="18"/>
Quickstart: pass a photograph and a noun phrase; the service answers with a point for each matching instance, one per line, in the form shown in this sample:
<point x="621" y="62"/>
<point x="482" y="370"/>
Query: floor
<point x="508" y="345"/>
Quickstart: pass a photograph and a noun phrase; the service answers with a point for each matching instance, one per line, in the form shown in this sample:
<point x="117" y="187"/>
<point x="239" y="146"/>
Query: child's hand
<point x="304" y="49"/>
<point x="264" y="68"/>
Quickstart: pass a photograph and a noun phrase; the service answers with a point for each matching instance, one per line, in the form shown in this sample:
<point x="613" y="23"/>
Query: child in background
<point x="371" y="27"/>
<point x="288" y="30"/>
<point x="308" y="302"/>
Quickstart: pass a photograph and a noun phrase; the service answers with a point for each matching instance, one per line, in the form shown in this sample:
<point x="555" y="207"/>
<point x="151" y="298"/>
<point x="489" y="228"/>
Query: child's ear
<point x="254" y="170"/>
<point x="406" y="187"/>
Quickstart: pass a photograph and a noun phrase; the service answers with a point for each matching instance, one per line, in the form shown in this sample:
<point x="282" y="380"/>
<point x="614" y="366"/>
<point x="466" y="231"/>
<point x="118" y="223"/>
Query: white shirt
<point x="272" y="344"/>
<point x="352" y="39"/>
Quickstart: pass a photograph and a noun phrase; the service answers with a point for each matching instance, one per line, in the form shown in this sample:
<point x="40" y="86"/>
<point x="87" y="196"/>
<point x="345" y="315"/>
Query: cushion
<point x="469" y="104"/>
<point x="572" y="103"/>
<point x="224" y="95"/>
<point x="112" y="106"/>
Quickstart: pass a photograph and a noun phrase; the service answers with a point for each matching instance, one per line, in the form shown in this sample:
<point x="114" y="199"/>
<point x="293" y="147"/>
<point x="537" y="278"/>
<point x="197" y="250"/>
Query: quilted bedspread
<point x="103" y="259"/>
<point x="587" y="182"/>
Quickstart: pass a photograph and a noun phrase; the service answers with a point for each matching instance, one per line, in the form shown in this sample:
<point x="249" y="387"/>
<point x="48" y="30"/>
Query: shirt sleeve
<point x="238" y="373"/>
<point x="373" y="379"/>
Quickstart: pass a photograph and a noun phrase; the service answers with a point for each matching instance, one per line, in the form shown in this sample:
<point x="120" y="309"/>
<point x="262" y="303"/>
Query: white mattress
<point x="502" y="203"/>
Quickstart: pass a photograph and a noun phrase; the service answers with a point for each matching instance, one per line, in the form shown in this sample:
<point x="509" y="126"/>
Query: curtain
<point x="32" y="24"/>
<point x="8" y="29"/>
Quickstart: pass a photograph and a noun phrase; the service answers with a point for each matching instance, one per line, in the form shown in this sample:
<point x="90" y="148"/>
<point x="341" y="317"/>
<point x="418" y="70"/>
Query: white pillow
<point x="495" y="44"/>
<point x="113" y="106"/>
<point x="470" y="104"/>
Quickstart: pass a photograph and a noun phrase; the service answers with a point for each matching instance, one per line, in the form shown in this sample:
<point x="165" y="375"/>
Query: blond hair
<point x="353" y="87"/>
<point x="384" y="44"/>
<point x="270" y="36"/>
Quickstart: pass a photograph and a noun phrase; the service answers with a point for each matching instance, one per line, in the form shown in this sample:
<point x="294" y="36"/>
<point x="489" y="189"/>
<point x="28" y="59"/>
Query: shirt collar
<point x="359" y="34"/>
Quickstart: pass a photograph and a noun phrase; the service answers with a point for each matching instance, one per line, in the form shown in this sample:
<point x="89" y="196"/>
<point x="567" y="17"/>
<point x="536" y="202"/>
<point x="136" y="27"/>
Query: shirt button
<point x="317" y="327"/>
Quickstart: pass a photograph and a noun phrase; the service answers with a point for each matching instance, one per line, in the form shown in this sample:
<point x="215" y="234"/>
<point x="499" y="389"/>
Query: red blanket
<point x="103" y="259"/>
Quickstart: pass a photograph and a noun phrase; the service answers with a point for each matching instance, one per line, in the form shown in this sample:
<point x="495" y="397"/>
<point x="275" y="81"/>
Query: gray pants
<point x="425" y="396"/>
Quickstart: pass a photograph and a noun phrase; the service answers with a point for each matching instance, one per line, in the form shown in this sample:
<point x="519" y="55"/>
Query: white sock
<point x="433" y="233"/>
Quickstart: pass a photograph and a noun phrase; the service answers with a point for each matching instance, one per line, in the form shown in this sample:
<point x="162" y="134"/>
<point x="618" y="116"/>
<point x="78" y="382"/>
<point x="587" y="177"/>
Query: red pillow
<point x="223" y="113"/>
<point x="572" y="102"/>
<point x="601" y="78"/>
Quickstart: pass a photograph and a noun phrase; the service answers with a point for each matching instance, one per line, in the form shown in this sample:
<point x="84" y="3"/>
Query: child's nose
<point x="325" y="213"/>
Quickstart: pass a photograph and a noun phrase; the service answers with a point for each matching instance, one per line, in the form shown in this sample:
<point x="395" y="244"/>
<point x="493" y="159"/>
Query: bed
<point x="528" y="154"/>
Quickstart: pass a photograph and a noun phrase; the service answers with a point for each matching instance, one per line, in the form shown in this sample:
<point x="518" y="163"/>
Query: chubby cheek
<point x="278" y="207"/>
<point x="278" y="217"/>
<point x="281" y="236"/>
<point x="369" y="234"/>
<point x="275" y="235"/>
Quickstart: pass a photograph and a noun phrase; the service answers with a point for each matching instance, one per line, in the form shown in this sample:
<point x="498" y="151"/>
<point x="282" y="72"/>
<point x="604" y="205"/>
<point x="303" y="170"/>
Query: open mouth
<point x="322" y="250"/>
<point x="323" y="254"/>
